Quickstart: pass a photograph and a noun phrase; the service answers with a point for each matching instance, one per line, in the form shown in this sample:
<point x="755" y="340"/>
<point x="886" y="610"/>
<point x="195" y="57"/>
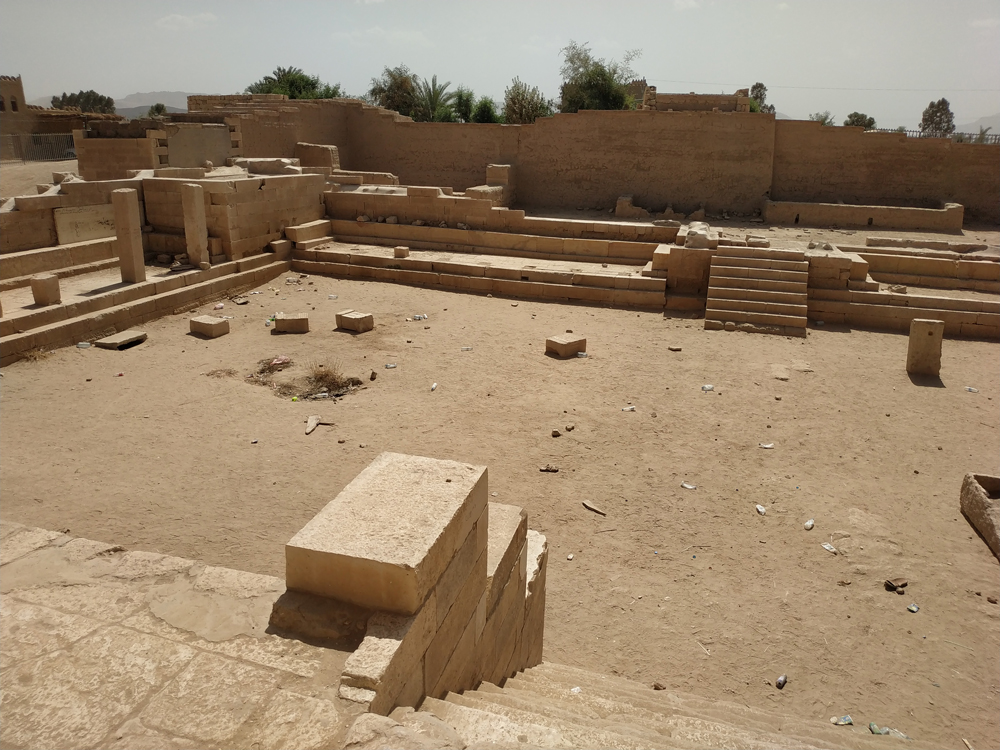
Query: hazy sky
<point x="887" y="58"/>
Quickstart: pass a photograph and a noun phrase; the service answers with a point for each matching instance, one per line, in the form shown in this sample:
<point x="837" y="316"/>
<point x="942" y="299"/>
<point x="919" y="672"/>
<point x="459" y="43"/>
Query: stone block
<point x="209" y="326"/>
<point x="923" y="354"/>
<point x="128" y="228"/>
<point x="309" y="231"/>
<point x="359" y="322"/>
<point x="291" y="323"/>
<point x="980" y="501"/>
<point x="565" y="345"/>
<point x="123" y="340"/>
<point x="195" y="223"/>
<point x="400" y="251"/>
<point x="387" y="538"/>
<point x="45" y="289"/>
<point x="534" y="602"/>
<point x="508" y="527"/>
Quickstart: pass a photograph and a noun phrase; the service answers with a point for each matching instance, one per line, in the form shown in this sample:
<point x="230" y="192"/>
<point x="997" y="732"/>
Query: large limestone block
<point x="291" y="323"/>
<point x="534" y="601"/>
<point x="352" y="320"/>
<point x="317" y="155"/>
<point x="386" y="539"/>
<point x="45" y="289"/>
<point x="209" y="326"/>
<point x="701" y="235"/>
<point x="128" y="228"/>
<point x="923" y="354"/>
<point x="565" y="345"/>
<point x="981" y="505"/>
<point x="195" y="223"/>
<point x="508" y="528"/>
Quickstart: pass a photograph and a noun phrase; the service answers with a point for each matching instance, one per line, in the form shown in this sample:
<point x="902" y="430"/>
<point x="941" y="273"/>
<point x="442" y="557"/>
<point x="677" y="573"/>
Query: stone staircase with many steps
<point x="555" y="706"/>
<point x="759" y="290"/>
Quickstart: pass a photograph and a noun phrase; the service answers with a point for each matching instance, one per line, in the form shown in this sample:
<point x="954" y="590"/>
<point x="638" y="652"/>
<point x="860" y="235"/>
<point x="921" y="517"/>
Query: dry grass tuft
<point x="226" y="372"/>
<point x="328" y="377"/>
<point x="35" y="355"/>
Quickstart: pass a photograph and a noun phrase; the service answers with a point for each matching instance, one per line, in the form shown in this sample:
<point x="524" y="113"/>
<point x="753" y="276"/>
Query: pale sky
<point x="886" y="58"/>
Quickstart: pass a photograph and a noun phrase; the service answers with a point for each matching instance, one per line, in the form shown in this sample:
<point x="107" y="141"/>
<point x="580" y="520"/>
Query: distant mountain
<point x="134" y="112"/>
<point x="782" y="116"/>
<point x="176" y="99"/>
<point x="992" y="122"/>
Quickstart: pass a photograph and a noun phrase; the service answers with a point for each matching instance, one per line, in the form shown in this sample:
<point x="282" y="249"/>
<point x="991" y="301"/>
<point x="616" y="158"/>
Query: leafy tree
<point x="758" y="97"/>
<point x="860" y="119"/>
<point x="523" y="105"/>
<point x="85" y="101"/>
<point x="157" y="110"/>
<point x="395" y="89"/>
<point x="938" y="119"/>
<point x="485" y="111"/>
<point x="823" y="118"/>
<point x="434" y="102"/>
<point x="591" y="83"/>
<point x="901" y="129"/>
<point x="463" y="103"/>
<point x="295" y="84"/>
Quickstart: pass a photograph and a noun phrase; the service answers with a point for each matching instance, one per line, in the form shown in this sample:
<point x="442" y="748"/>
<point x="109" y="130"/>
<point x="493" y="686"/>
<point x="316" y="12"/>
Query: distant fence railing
<point x="36" y="147"/>
<point x="992" y="138"/>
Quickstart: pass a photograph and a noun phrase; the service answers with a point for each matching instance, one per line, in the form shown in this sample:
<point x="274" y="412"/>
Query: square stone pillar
<point x="128" y="227"/>
<point x="923" y="356"/>
<point x="45" y="289"/>
<point x="195" y="223"/>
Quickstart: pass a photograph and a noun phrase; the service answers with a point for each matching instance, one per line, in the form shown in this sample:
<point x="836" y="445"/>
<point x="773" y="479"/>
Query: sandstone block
<point x="980" y="501"/>
<point x="565" y="345"/>
<point x="195" y="223"/>
<point x="508" y="528"/>
<point x="358" y="322"/>
<point x="923" y="354"/>
<point x="209" y="326"/>
<point x="291" y="323"/>
<point x="128" y="228"/>
<point x="45" y="289"/>
<point x="401" y="251"/>
<point x="386" y="539"/>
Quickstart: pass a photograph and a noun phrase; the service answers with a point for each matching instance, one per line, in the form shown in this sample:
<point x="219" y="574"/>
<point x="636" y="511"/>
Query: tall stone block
<point x="128" y="228"/>
<point x="195" y="223"/>
<point x="923" y="355"/>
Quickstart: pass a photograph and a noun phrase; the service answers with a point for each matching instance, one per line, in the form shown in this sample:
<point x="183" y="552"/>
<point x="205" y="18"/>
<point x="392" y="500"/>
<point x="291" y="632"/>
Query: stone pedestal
<point x="923" y="356"/>
<point x="45" y="289"/>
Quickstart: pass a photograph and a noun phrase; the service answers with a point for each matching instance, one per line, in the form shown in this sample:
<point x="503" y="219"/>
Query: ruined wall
<point x="818" y="163"/>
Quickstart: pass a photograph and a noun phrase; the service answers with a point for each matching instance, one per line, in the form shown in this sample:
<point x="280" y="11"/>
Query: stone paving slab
<point x="101" y="647"/>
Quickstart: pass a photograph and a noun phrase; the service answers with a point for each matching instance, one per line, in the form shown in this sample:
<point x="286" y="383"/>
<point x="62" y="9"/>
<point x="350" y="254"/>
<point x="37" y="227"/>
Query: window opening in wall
<point x="869" y="221"/>
<point x="13" y="104"/>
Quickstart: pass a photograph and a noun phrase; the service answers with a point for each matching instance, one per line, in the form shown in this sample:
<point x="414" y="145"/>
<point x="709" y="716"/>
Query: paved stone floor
<point x="101" y="647"/>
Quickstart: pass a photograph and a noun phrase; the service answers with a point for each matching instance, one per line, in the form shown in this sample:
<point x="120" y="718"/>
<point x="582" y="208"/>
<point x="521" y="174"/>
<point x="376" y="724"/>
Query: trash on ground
<point x="761" y="509"/>
<point x="809" y="524"/>
<point x="391" y="366"/>
<point x="766" y="446"/>
<point x="331" y="296"/>
<point x="689" y="486"/>
<point x="829" y="548"/>
<point x="569" y="557"/>
<point x="874" y="728"/>
<point x="434" y="386"/>
<point x="253" y="442"/>
<point x="219" y="306"/>
<point x="594" y="508"/>
<point x="83" y="345"/>
<point x="896" y="584"/>
<point x="781" y="682"/>
<point x="628" y="408"/>
<point x="574" y="690"/>
<point x="120" y="375"/>
<point x="550" y="469"/>
<point x="841" y="721"/>
<point x="673" y="348"/>
<point x="708" y="387"/>
<point x="312" y="423"/>
<point x="466" y="348"/>
<point x="913" y="608"/>
<point x="970" y="389"/>
<point x="581" y="355"/>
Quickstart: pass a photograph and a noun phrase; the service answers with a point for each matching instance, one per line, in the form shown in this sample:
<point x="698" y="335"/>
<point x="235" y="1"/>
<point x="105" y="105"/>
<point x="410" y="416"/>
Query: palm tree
<point x="434" y="102"/>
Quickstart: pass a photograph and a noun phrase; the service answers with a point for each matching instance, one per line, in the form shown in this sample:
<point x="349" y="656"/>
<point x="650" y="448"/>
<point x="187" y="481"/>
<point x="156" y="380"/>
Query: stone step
<point x="745" y="305"/>
<point x="763" y="319"/>
<point x="17" y="282"/>
<point x="311" y="230"/>
<point x="758" y="295"/>
<point x="728" y="251"/>
<point x="312" y="242"/>
<point x="733" y="261"/>
<point x="747" y="272"/>
<point x="770" y="285"/>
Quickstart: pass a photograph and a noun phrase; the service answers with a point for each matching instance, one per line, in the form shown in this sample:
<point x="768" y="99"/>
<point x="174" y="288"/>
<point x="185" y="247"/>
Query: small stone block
<point x="923" y="354"/>
<point x="352" y="320"/>
<point x="45" y="289"/>
<point x="209" y="326"/>
<point x="122" y="340"/>
<point x="565" y="345"/>
<point x="401" y="252"/>
<point x="292" y="323"/>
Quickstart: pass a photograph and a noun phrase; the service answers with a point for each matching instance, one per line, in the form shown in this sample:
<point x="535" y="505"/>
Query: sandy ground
<point x="690" y="588"/>
<point x="21" y="178"/>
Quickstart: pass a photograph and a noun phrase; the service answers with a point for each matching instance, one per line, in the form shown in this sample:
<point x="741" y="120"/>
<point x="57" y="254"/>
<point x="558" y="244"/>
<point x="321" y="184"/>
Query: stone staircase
<point x="555" y="706"/>
<point x="758" y="290"/>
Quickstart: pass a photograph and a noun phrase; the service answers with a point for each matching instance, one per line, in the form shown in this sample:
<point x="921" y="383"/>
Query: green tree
<point x="937" y="119"/>
<point x="591" y="83"/>
<point x="981" y="138"/>
<point x="434" y="102"/>
<point x="758" y="97"/>
<point x="395" y="89"/>
<point x="157" y="110"/>
<point x="85" y="101"/>
<point x="523" y="105"/>
<point x="295" y="84"/>
<point x="485" y="111"/>
<point x="463" y="103"/>
<point x="861" y="120"/>
<point x="823" y="118"/>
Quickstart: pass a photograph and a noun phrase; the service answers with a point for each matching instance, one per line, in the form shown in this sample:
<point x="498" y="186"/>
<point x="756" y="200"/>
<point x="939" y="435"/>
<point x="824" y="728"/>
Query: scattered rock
<point x="550" y="469"/>
<point x="570" y="427"/>
<point x="373" y="375"/>
<point x="896" y="584"/>
<point x="673" y="348"/>
<point x="659" y="686"/>
<point x="312" y="423"/>
<point x="556" y="433"/>
<point x="991" y="599"/>
<point x="364" y="218"/>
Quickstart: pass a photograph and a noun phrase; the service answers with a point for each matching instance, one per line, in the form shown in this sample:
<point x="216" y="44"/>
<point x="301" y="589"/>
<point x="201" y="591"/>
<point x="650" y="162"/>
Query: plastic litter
<point x="841" y="721"/>
<point x="267" y="323"/>
<point x="83" y="345"/>
<point x="766" y="446"/>
<point x="829" y="548"/>
<point x="689" y="486"/>
<point x="581" y="355"/>
<point x="574" y="690"/>
<point x="808" y="525"/>
<point x="219" y="306"/>
<point x="434" y="386"/>
<point x="120" y="375"/>
<point x="874" y="728"/>
<point x="761" y="509"/>
<point x="466" y="348"/>
<point x="708" y="387"/>
<point x="628" y="408"/>
<point x="390" y="366"/>
<point x="913" y="608"/>
<point x="331" y="296"/>
<point x="970" y="389"/>
<point x="781" y="682"/>
<point x="569" y="557"/>
<point x="420" y="317"/>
